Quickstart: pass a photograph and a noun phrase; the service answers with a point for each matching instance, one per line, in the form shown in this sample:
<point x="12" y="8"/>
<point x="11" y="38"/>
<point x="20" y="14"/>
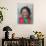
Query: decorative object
<point x="7" y="28"/>
<point x="25" y="13"/>
<point x="13" y="36"/>
<point x="1" y="15"/>
<point x="32" y="37"/>
<point x="39" y="34"/>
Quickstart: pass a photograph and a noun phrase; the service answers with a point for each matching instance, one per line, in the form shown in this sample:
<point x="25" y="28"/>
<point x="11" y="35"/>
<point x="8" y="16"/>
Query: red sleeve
<point x="21" y="20"/>
<point x="29" y="20"/>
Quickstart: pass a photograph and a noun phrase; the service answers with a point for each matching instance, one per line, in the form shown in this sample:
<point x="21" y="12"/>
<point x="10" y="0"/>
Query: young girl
<point x="25" y="16"/>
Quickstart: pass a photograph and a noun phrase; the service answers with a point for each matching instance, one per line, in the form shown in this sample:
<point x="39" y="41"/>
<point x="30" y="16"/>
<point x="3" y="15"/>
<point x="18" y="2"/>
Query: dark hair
<point x="26" y="9"/>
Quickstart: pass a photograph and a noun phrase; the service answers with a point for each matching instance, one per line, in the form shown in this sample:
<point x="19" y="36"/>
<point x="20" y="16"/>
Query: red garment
<point x="21" y="20"/>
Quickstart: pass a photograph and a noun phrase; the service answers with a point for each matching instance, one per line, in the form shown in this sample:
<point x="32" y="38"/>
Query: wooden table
<point x="24" y="42"/>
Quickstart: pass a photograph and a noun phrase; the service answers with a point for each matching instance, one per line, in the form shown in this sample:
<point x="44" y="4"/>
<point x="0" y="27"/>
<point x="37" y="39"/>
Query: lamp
<point x="7" y="28"/>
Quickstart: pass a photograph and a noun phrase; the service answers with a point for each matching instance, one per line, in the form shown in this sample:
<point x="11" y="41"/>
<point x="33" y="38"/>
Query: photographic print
<point x="25" y="13"/>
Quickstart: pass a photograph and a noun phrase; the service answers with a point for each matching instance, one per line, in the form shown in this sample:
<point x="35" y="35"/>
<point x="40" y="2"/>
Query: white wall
<point x="39" y="18"/>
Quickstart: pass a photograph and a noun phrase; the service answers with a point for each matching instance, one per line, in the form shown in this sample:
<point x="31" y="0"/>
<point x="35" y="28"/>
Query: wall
<point x="39" y="18"/>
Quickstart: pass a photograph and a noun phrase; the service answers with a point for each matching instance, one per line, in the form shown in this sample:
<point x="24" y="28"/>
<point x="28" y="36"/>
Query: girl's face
<point x="25" y="13"/>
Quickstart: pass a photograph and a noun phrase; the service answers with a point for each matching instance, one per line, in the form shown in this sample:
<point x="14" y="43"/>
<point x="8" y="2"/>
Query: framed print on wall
<point x="25" y="13"/>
